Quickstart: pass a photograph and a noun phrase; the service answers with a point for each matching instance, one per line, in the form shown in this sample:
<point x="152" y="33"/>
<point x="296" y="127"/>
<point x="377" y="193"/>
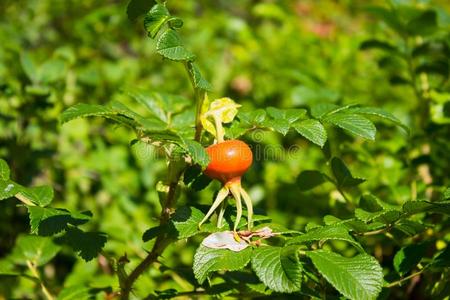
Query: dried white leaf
<point x="224" y="240"/>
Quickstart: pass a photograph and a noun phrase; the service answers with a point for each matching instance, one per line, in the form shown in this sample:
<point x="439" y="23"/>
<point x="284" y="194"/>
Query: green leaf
<point x="254" y="117"/>
<point x="83" y="110"/>
<point x="439" y="67"/>
<point x="196" y="152"/>
<point x="442" y="259"/>
<point x="207" y="260"/>
<point x="4" y="170"/>
<point x="137" y="8"/>
<point x="313" y="130"/>
<point x="52" y="71"/>
<point x="290" y="115"/>
<point x="8" y="189"/>
<point x="278" y="268"/>
<point x="309" y="179"/>
<point x="7" y="268"/>
<point x="321" y="109"/>
<point x="36" y="249"/>
<point x="155" y="18"/>
<point x="380" y="113"/>
<point x="384" y="216"/>
<point x="408" y="257"/>
<point x="40" y="195"/>
<point x="199" y="81"/>
<point x="279" y="125"/>
<point x="409" y="227"/>
<point x="343" y="175"/>
<point x="358" y="278"/>
<point x="326" y="233"/>
<point x="185" y="221"/>
<point x="414" y="207"/>
<point x="353" y="123"/>
<point x="161" y="105"/>
<point x="170" y="46"/>
<point x="87" y="244"/>
<point x="446" y="194"/>
<point x="371" y="203"/>
<point x="424" y="24"/>
<point x="377" y="44"/>
<point x="76" y="292"/>
<point x="49" y="221"/>
<point x="29" y="66"/>
<point x="153" y="232"/>
<point x="388" y="16"/>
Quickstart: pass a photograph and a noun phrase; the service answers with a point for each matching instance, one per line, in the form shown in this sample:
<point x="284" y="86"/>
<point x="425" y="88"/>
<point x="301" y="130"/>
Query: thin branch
<point x="400" y="281"/>
<point x="35" y="273"/>
<point x="162" y="241"/>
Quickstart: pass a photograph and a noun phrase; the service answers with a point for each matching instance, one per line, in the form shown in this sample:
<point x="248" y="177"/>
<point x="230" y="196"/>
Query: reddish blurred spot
<point x="242" y="85"/>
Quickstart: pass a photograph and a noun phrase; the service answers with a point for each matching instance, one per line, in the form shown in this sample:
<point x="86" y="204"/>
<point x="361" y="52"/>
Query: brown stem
<point x="162" y="241"/>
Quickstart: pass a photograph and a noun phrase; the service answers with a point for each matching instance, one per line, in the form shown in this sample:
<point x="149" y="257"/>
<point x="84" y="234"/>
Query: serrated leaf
<point x="170" y="46"/>
<point x="155" y="18"/>
<point x="254" y="117"/>
<point x="82" y="110"/>
<point x="278" y="268"/>
<point x="309" y="179"/>
<point x="290" y="115"/>
<point x="4" y="170"/>
<point x="384" y="216"/>
<point x="185" y="221"/>
<point x="438" y="207"/>
<point x="197" y="152"/>
<point x="380" y="113"/>
<point x="36" y="249"/>
<point x="279" y="125"/>
<point x="343" y="175"/>
<point x="39" y="195"/>
<point x="353" y="123"/>
<point x="199" y="81"/>
<point x="208" y="260"/>
<point x="86" y="244"/>
<point x="313" y="130"/>
<point x="49" y="221"/>
<point x="408" y="257"/>
<point x="326" y="233"/>
<point x="321" y="109"/>
<point x="358" y="278"/>
<point x="148" y="124"/>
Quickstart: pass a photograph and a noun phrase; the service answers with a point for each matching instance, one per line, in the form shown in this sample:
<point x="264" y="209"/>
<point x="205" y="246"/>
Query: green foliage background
<point x="54" y="54"/>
